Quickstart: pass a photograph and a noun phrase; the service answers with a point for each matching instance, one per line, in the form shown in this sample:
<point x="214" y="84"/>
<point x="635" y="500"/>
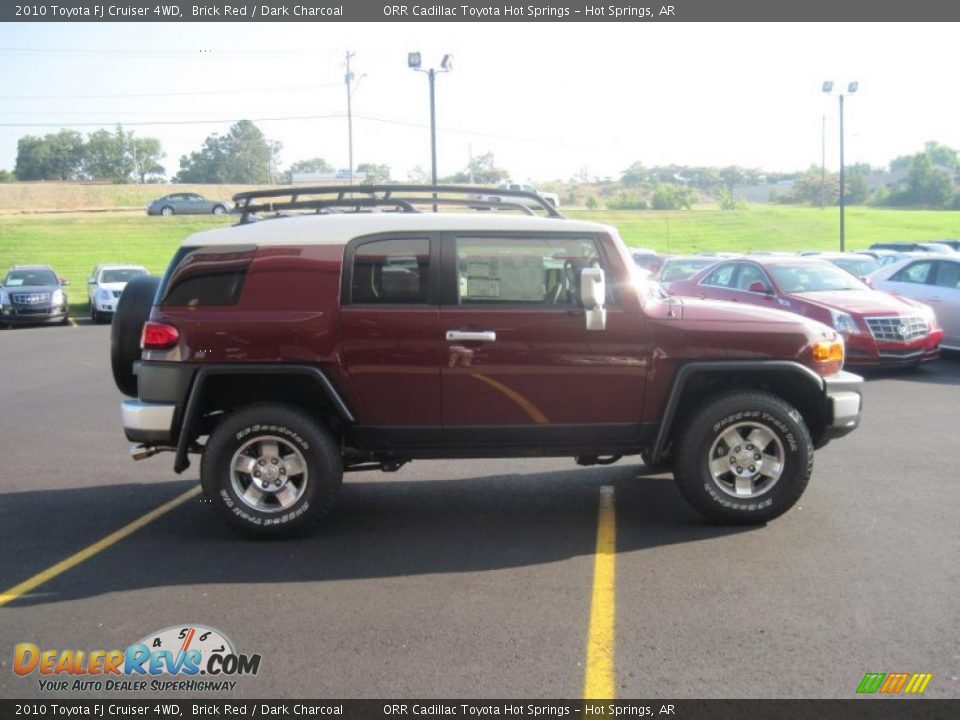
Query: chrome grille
<point x="31" y="298"/>
<point x="899" y="329"/>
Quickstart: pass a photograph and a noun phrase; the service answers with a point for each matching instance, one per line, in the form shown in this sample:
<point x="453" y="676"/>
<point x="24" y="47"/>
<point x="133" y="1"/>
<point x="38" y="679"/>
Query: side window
<point x="522" y="270"/>
<point x="917" y="272"/>
<point x="750" y="274"/>
<point x="721" y="277"/>
<point x="391" y="271"/>
<point x="948" y="275"/>
<point x="203" y="276"/>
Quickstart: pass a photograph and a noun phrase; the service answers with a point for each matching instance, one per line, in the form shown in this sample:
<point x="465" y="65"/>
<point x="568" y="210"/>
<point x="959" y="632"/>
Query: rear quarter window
<point x="205" y="276"/>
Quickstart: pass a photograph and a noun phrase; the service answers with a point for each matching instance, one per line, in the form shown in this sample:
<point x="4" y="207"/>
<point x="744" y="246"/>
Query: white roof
<point x="340" y="229"/>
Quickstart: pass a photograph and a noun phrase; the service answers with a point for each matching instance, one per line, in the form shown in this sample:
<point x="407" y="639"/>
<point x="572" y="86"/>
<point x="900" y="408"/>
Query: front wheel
<point x="167" y="211"/>
<point x="271" y="470"/>
<point x="744" y="459"/>
<point x="219" y="210"/>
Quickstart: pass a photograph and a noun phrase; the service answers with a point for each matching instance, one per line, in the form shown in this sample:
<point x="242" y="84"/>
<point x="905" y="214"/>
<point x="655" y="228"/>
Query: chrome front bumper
<point x="844" y="395"/>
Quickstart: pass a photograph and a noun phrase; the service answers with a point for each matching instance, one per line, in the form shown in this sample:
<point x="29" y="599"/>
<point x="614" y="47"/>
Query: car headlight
<point x="843" y="323"/>
<point x="4" y="299"/>
<point x="57" y="297"/>
<point x="103" y="295"/>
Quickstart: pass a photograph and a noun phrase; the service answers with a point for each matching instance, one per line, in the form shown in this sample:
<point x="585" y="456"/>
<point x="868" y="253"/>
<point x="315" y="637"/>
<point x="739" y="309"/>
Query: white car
<point x="931" y="279"/>
<point x="105" y="285"/>
<point x="550" y="197"/>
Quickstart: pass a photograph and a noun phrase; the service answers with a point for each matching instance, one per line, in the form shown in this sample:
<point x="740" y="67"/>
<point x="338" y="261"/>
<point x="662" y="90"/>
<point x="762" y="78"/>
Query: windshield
<point x="121" y="275"/>
<point x="796" y="278"/>
<point x="25" y="278"/>
<point x="682" y="269"/>
<point x="857" y="266"/>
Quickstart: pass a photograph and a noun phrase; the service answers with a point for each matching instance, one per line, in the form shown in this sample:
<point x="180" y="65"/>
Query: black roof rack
<point x="323" y="199"/>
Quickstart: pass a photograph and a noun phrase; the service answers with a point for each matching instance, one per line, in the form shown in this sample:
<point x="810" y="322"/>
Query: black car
<point x="33" y="294"/>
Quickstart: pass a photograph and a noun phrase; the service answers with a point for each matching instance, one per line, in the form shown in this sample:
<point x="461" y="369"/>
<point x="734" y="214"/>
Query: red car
<point x="879" y="329"/>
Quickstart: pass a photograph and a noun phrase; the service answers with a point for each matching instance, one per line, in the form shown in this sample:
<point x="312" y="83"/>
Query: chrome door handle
<point x="471" y="336"/>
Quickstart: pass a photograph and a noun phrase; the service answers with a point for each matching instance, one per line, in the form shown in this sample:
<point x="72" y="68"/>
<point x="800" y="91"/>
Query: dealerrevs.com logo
<point x="184" y="658"/>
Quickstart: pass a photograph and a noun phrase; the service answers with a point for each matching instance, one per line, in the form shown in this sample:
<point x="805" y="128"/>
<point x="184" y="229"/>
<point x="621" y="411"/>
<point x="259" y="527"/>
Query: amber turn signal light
<point x="828" y="355"/>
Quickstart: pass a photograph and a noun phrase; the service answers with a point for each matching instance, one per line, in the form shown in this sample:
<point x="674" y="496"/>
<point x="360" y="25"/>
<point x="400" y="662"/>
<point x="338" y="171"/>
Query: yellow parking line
<point x="73" y="323"/>
<point x="600" y="680"/>
<point x="91" y="550"/>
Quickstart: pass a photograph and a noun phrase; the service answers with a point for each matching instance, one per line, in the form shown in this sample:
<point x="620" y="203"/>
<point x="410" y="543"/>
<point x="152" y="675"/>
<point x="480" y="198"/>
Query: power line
<point x="178" y="93"/>
<point x="294" y="118"/>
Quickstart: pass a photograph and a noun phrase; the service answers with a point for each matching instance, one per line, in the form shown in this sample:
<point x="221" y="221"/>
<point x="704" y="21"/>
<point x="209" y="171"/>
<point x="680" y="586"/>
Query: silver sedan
<point x="934" y="280"/>
<point x="186" y="203"/>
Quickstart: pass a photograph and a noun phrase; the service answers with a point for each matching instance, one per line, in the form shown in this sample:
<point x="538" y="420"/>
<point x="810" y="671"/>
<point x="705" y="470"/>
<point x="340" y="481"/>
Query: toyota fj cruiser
<point x="352" y="330"/>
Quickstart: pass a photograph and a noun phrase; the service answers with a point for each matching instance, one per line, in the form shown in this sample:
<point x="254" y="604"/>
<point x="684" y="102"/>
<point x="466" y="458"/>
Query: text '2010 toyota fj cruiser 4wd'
<point x="354" y="331"/>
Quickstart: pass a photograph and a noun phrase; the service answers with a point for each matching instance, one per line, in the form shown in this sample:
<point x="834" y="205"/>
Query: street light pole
<point x="433" y="127"/>
<point x="843" y="188"/>
<point x="446" y="65"/>
<point x="348" y="78"/>
<point x="851" y="88"/>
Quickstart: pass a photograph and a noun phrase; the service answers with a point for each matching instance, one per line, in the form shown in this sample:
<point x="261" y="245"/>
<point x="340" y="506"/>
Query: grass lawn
<point x="74" y="243"/>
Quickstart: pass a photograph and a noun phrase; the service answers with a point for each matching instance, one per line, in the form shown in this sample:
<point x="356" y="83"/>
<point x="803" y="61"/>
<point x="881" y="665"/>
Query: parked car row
<point x="893" y="314"/>
<point x="35" y="295"/>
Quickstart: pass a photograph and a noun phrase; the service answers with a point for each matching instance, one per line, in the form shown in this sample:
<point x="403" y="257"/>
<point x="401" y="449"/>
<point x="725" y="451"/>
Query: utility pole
<point x="348" y="79"/>
<point x="470" y="161"/>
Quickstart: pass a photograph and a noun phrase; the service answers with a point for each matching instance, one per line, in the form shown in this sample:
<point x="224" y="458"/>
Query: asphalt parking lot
<point x="475" y="578"/>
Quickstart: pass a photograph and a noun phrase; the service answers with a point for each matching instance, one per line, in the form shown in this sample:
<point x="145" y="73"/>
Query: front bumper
<point x="863" y="351"/>
<point x="844" y="393"/>
<point x="31" y="315"/>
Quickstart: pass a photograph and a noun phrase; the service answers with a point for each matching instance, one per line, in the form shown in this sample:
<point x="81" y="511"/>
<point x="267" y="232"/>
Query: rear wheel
<point x="271" y="470"/>
<point x="131" y="312"/>
<point x="744" y="459"/>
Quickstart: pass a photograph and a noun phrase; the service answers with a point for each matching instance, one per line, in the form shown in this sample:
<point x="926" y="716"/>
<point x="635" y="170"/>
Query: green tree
<point x="244" y="156"/>
<point x="481" y="170"/>
<point x="312" y="165"/>
<point x="147" y="154"/>
<point x="7" y="176"/>
<point x="635" y="175"/>
<point x="374" y="174"/>
<point x="55" y="156"/>
<point x="672" y="197"/>
<point x="109" y="156"/>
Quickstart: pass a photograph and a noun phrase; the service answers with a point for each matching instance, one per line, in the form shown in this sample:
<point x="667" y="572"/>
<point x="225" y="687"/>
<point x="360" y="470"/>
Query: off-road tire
<point x="131" y="312"/>
<point x="323" y="465"/>
<point x="693" y="454"/>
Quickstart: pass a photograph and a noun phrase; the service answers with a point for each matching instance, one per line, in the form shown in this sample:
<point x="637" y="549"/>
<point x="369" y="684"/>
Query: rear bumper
<point x="149" y="423"/>
<point x="844" y="394"/>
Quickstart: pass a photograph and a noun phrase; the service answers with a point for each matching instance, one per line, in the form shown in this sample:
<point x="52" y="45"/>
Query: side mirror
<point x="758" y="287"/>
<point x="593" y="294"/>
<point x="64" y="282"/>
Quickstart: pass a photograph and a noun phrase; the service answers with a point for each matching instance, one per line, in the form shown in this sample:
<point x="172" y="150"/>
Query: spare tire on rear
<point x="132" y="311"/>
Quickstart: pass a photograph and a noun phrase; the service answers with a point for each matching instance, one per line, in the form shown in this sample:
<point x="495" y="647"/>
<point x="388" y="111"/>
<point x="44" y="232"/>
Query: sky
<point x="550" y="100"/>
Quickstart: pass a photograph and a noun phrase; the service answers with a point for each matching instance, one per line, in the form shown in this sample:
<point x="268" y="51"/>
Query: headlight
<point x="843" y="323"/>
<point x="57" y="297"/>
<point x="3" y="297"/>
<point x="103" y="295"/>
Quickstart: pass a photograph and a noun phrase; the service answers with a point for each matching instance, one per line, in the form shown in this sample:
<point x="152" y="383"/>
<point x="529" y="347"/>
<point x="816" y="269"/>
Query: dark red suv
<point x="369" y="333"/>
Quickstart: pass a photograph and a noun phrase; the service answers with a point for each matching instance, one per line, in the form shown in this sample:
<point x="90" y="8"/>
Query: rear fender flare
<point x="191" y="408"/>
